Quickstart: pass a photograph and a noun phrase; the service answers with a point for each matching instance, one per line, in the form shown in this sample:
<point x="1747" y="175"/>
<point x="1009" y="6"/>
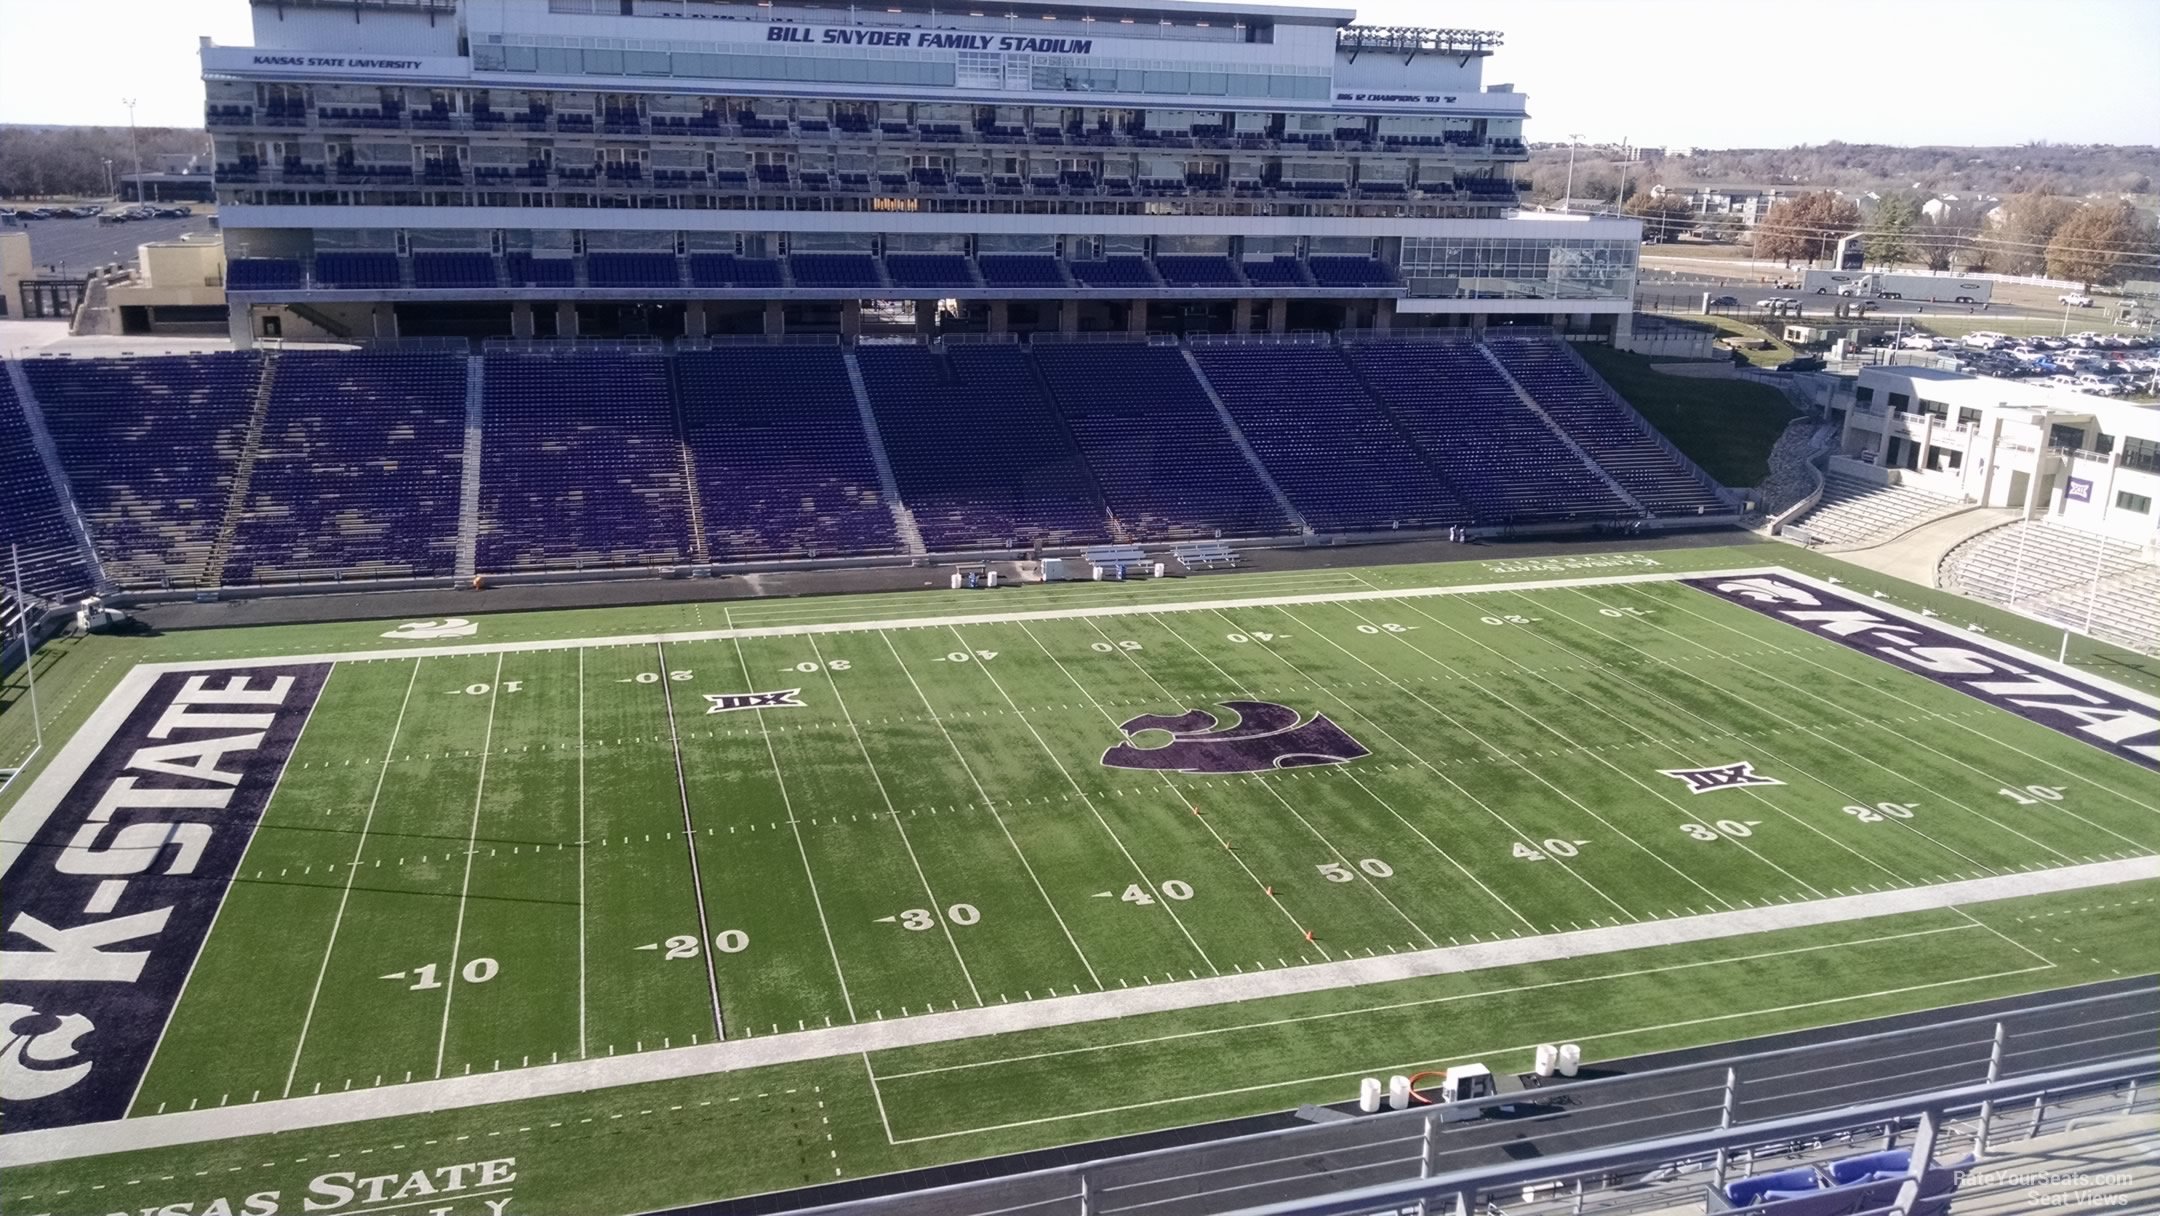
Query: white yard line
<point x="479" y="1089"/>
<point x="367" y="822"/>
<point x="1914" y="739"/>
<point x="1516" y="1049"/>
<point x="581" y="844"/>
<point x="1086" y="799"/>
<point x="1686" y="816"/>
<point x="1652" y="741"/>
<point x="1728" y="694"/>
<point x="942" y="622"/>
<point x="1341" y="858"/>
<point x="936" y="905"/>
<point x="269" y="803"/>
<point x="988" y="803"/>
<point x="1352" y="775"/>
<point x="1467" y="732"/>
<point x="787" y="804"/>
<point x="472" y="848"/>
<point x="706" y="947"/>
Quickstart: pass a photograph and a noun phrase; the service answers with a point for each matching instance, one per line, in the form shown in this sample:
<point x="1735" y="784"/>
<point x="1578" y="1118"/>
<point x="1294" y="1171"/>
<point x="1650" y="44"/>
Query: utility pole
<point x="1567" y="203"/>
<point x="134" y="154"/>
<point x="1627" y="158"/>
<point x="108" y="177"/>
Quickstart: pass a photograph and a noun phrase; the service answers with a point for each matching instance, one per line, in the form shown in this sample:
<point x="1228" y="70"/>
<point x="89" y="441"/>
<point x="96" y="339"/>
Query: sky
<point x="1658" y="73"/>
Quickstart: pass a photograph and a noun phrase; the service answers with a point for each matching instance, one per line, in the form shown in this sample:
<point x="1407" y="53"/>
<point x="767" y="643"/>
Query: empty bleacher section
<point x="2048" y="569"/>
<point x="1350" y="272"/>
<point x="633" y="270"/>
<point x="979" y="454"/>
<point x="1020" y="270"/>
<point x="531" y="270"/>
<point x="1325" y="441"/>
<point x="1856" y="512"/>
<point x="1188" y="270"/>
<point x="1583" y="406"/>
<point x="853" y="270"/>
<point x="356" y="269"/>
<point x="1158" y="449"/>
<point x="263" y="274"/>
<point x="150" y="447"/>
<point x="929" y="270"/>
<point x="1503" y="459"/>
<point x="453" y="269"/>
<point x="357" y="470"/>
<point x="580" y="464"/>
<point x="33" y="521"/>
<point x="1114" y="272"/>
<point x="783" y="466"/>
<point x="725" y="270"/>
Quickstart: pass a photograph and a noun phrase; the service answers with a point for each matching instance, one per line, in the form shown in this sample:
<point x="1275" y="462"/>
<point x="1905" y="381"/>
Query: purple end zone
<point x="1267" y="736"/>
<point x="106" y="908"/>
<point x="2109" y="721"/>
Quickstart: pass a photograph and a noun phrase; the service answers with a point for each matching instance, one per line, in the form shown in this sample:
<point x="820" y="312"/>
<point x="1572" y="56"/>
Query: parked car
<point x="1802" y="363"/>
<point x="2075" y="299"/>
<point x="1725" y="302"/>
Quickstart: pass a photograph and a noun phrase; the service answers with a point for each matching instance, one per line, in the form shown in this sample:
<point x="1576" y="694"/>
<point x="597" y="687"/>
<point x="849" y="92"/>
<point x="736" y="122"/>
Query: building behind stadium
<point x="604" y="168"/>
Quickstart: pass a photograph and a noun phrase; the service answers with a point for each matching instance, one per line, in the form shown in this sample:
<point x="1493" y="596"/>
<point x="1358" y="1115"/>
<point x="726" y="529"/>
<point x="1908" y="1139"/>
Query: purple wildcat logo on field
<point x="1267" y="737"/>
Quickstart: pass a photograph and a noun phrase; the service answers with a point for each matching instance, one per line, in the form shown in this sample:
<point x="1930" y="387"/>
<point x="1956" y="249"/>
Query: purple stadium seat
<point x="1167" y="468"/>
<point x="978" y="452"/>
<point x="929" y="270"/>
<point x="835" y="270"/>
<point x="580" y="465"/>
<point x="783" y="465"/>
<point x="357" y="270"/>
<point x="150" y="447"/>
<point x="729" y="270"/>
<point x="1020" y="270"/>
<point x="632" y="270"/>
<point x="1663" y="483"/>
<point x="358" y="469"/>
<point x="1506" y="463"/>
<point x="453" y="269"/>
<point x="1326" y="442"/>
<point x="263" y="274"/>
<point x="33" y="522"/>
<point x="1114" y="272"/>
<point x="1186" y="270"/>
<point x="1351" y="272"/>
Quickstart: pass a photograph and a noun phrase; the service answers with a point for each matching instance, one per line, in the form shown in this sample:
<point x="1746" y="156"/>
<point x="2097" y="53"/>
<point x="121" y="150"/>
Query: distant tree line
<point x="52" y="162"/>
<point x="2098" y="242"/>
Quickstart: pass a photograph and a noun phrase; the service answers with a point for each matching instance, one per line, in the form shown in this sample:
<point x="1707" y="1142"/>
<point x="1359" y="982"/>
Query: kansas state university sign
<point x="2108" y="720"/>
<point x="108" y="903"/>
<point x="1267" y="737"/>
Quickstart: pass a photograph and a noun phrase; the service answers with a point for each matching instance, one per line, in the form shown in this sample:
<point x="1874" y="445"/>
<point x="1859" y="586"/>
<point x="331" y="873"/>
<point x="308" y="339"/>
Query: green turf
<point x="933" y="830"/>
<point x="1726" y="426"/>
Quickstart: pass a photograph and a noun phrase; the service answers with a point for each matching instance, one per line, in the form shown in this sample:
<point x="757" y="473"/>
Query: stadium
<point x="763" y="608"/>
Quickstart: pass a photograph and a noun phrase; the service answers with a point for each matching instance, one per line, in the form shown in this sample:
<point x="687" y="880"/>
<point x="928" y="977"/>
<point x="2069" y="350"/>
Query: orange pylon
<point x="1308" y="935"/>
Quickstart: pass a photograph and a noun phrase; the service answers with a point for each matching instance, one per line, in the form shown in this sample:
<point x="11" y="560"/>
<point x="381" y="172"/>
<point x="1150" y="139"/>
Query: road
<point x="1616" y="1102"/>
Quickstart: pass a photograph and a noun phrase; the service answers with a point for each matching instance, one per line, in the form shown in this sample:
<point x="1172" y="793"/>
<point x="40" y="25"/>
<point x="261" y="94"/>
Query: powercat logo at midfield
<point x="2107" y="720"/>
<point x="1266" y="737"/>
<point x="104" y="909"/>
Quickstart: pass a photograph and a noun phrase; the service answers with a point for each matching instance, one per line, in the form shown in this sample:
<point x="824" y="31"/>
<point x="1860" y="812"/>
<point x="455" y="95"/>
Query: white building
<point x="1330" y="174"/>
<point x="2083" y="461"/>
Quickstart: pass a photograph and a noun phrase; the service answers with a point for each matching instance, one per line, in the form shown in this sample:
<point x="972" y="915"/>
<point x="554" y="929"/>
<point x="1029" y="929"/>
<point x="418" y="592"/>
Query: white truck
<point x="1930" y="288"/>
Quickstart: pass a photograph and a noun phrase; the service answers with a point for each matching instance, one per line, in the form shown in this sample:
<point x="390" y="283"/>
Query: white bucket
<point x="1368" y="1095"/>
<point x="1398" y="1092"/>
<point x="1570" y="1058"/>
<point x="1547" y="1054"/>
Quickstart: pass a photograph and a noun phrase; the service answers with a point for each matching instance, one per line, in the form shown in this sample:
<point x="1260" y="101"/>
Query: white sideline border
<point x="22" y="822"/>
<point x="47" y="1145"/>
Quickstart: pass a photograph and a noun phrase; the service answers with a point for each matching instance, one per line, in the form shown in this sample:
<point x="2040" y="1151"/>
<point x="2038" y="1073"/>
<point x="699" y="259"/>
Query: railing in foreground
<point x="1633" y="1141"/>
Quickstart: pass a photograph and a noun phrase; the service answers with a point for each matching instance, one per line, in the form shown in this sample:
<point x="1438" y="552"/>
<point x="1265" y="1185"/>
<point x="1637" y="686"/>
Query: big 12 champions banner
<point x="104" y="910"/>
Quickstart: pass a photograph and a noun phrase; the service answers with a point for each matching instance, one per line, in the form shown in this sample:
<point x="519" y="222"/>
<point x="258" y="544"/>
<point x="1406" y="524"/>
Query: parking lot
<point x="2107" y="365"/>
<point x="70" y="247"/>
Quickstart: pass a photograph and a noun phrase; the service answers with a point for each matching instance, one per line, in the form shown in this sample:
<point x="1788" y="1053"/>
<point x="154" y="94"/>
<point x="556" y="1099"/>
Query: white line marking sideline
<point x="480" y="1089"/>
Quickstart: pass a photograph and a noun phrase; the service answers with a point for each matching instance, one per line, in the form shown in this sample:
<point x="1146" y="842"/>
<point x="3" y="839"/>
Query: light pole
<point x="1567" y="202"/>
<point x="108" y="178"/>
<point x="133" y="153"/>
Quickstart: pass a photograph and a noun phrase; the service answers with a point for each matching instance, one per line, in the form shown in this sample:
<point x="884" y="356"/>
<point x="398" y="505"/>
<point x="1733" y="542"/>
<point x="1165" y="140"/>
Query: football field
<point x="479" y="857"/>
